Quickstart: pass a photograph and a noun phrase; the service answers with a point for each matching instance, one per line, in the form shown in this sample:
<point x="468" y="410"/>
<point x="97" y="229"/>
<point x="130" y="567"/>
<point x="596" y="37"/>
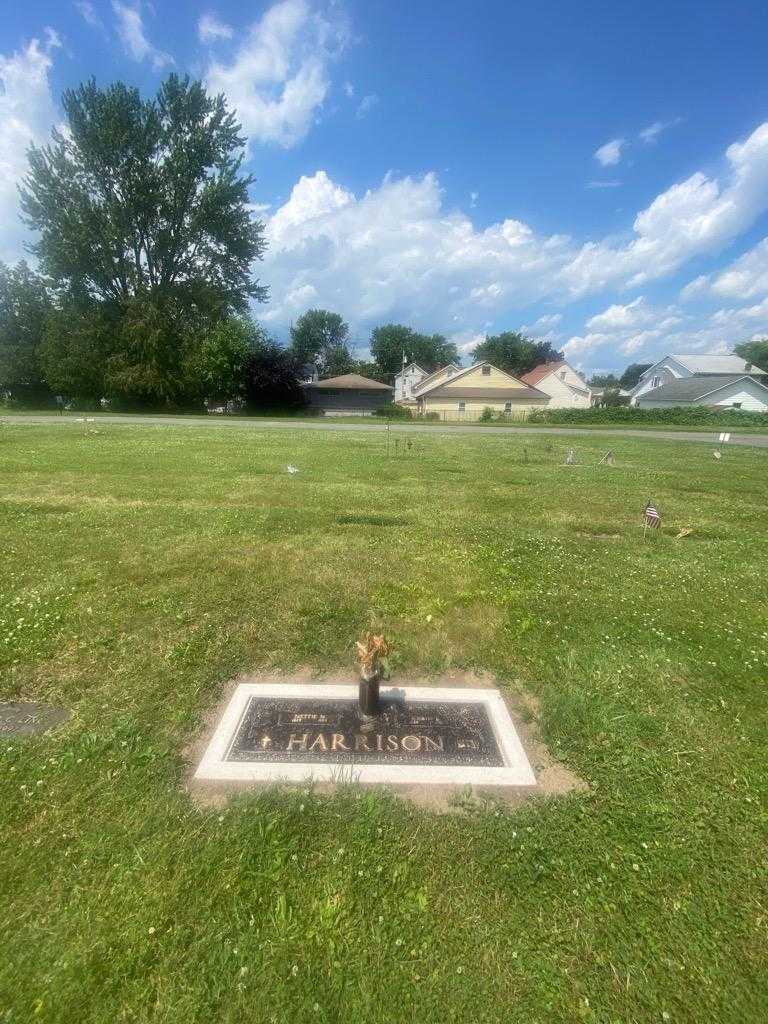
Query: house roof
<point x="350" y="381"/>
<point x="408" y="367"/>
<point x="487" y="393"/>
<point x="541" y="371"/>
<point x="688" y="389"/>
<point x="430" y="390"/>
<point x="717" y="364"/>
<point x="425" y="381"/>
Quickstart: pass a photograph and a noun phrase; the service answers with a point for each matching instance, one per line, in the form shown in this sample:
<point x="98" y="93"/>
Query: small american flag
<point x="651" y="516"/>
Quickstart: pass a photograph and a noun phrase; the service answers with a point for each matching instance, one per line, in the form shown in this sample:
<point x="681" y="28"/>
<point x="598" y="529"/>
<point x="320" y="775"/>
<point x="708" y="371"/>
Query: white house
<point x="674" y="368"/>
<point x="406" y="380"/>
<point x="565" y="386"/>
<point x="412" y="379"/>
<point x="723" y="391"/>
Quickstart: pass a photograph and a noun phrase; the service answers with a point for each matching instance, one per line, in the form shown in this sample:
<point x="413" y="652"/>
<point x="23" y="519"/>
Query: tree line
<point x="143" y="292"/>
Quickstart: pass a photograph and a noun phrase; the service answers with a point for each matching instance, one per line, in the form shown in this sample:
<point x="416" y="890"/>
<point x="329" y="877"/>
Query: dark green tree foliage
<point x="143" y="222"/>
<point x="338" y="360"/>
<point x="371" y="370"/>
<point x="604" y="380"/>
<point x="513" y="352"/>
<point x="271" y="376"/>
<point x="154" y="352"/>
<point x="391" y="341"/>
<point x="322" y="338"/>
<point x="76" y="343"/>
<point x="24" y="305"/>
<point x="220" y="359"/>
<point x="755" y="352"/>
<point x="146" y="197"/>
<point x="632" y="375"/>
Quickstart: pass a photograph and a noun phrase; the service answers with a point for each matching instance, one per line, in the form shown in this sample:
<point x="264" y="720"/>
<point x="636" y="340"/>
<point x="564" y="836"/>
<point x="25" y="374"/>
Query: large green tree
<point x="322" y="338"/>
<point x="142" y="211"/>
<point x="218" y="363"/>
<point x="271" y="376"/>
<point x="24" y="305"/>
<point x="755" y="352"/>
<point x="146" y="196"/>
<point x="604" y="380"/>
<point x="392" y="343"/>
<point x="632" y="375"/>
<point x="77" y="341"/>
<point x="514" y="352"/>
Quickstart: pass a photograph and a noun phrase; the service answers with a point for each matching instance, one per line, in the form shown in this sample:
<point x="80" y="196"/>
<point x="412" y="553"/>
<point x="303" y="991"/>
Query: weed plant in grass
<point x="143" y="567"/>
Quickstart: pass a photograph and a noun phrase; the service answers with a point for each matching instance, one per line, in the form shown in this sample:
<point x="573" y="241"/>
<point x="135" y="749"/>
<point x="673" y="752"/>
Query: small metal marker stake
<point x="371" y="653"/>
<point x="724" y="438"/>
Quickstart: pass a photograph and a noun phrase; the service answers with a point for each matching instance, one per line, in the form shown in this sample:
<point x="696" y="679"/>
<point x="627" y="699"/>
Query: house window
<point x="462" y="406"/>
<point x="736" y="405"/>
<point x="507" y="407"/>
<point x="486" y="371"/>
<point x="562" y="375"/>
<point x="655" y="382"/>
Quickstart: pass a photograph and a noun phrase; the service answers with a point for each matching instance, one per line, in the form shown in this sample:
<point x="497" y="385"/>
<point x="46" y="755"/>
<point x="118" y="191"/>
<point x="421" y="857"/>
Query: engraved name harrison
<point x="360" y="742"/>
<point x="312" y="730"/>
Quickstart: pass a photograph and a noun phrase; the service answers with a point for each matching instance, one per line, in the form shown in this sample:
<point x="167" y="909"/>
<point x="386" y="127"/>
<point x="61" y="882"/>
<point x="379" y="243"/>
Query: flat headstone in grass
<point x="423" y="735"/>
<point x="24" y="718"/>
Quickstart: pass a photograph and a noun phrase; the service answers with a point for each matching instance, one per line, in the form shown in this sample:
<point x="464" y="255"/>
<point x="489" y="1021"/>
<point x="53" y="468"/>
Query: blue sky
<point x="596" y="173"/>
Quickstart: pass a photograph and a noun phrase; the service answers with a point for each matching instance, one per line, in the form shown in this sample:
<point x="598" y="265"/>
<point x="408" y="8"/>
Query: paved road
<point x="754" y="440"/>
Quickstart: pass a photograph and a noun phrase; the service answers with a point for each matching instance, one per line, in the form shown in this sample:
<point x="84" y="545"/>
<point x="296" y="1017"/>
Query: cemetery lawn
<point x="143" y="567"/>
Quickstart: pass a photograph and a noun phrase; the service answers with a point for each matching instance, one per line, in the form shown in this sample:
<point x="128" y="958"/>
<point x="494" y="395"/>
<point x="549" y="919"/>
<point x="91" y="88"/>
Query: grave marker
<point x="24" y="718"/>
<point x="421" y="735"/>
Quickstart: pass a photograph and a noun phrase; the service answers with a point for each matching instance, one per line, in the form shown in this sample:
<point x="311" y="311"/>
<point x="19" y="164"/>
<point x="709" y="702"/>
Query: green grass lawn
<point x="144" y="567"/>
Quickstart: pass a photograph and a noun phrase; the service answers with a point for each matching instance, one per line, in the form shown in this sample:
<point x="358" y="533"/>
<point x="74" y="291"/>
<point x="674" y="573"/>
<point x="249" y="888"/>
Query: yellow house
<point x="465" y="394"/>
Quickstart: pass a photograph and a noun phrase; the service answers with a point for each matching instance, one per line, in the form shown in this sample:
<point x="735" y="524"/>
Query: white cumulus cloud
<point x="210" y="28"/>
<point x="130" y="29"/>
<point x="395" y="251"/>
<point x="87" y="12"/>
<point x="746" y="277"/>
<point x="652" y="132"/>
<point x="610" y="154"/>
<point x="621" y="317"/>
<point x="278" y="79"/>
<point x="27" y="112"/>
<point x="366" y="104"/>
<point x="699" y="215"/>
<point x="646" y="332"/>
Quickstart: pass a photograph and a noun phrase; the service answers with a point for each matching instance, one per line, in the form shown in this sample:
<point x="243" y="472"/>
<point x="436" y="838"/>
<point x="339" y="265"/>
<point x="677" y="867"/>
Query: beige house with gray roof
<point x="464" y="395"/>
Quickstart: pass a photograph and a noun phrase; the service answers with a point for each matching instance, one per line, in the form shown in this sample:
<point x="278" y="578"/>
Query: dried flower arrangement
<point x="372" y="652"/>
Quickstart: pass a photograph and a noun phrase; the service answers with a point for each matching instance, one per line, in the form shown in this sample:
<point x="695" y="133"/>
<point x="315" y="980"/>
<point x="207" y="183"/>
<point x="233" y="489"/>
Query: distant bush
<point x="486" y="416"/>
<point x="679" y="415"/>
<point x="432" y="416"/>
<point x="393" y="412"/>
